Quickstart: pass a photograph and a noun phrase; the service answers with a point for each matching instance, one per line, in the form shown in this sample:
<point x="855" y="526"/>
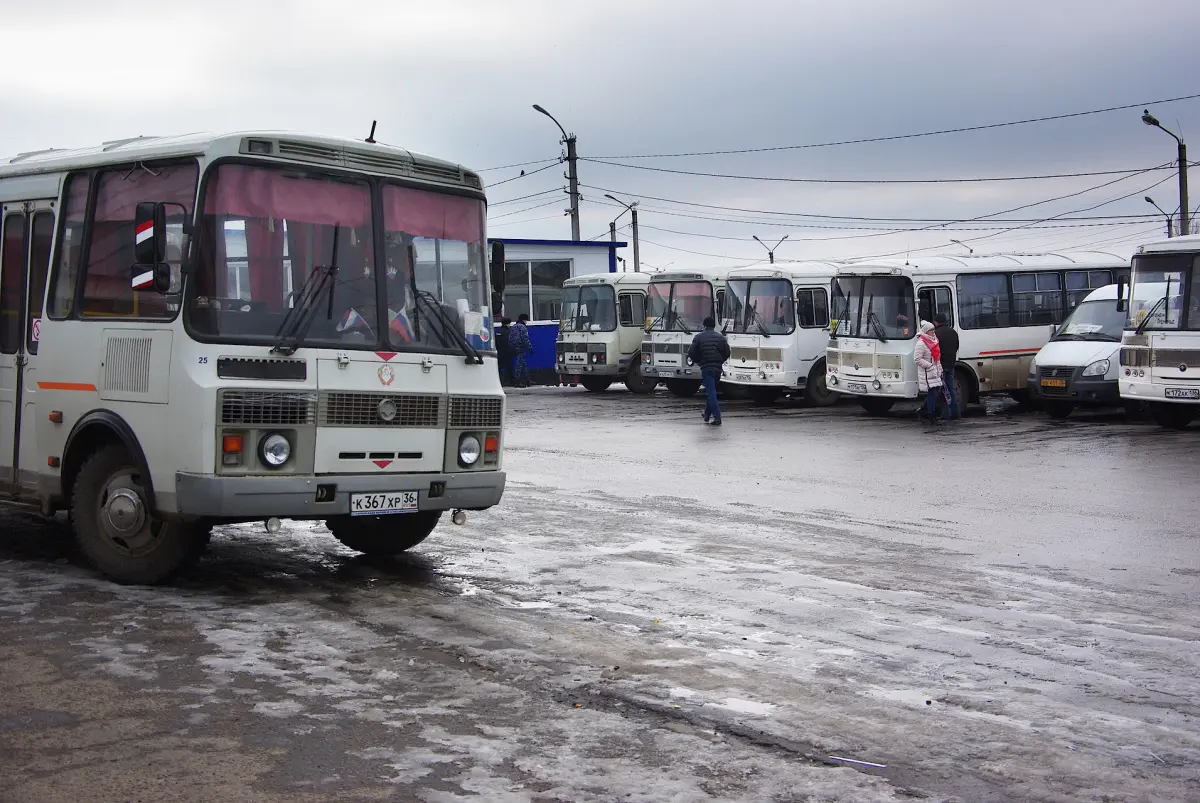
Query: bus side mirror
<point x="150" y="272"/>
<point x="497" y="267"/>
<point x="1122" y="283"/>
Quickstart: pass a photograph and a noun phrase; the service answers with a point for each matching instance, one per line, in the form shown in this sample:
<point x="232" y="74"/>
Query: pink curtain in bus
<point x="433" y="215"/>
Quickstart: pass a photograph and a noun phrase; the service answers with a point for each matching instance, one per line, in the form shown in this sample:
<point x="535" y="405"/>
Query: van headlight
<point x="469" y="450"/>
<point x="274" y="449"/>
<point x="1098" y="368"/>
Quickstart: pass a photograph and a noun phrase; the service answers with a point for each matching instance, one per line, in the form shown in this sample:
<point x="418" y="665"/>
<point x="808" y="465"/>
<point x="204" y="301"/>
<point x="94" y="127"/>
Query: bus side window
<point x="934" y="300"/>
<point x="41" y="235"/>
<point x="812" y="309"/>
<point x="719" y="304"/>
<point x="12" y="264"/>
<point x="633" y="309"/>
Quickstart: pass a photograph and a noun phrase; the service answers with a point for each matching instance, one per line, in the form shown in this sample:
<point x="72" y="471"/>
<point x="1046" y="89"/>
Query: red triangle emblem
<point x="386" y="356"/>
<point x="382" y="463"/>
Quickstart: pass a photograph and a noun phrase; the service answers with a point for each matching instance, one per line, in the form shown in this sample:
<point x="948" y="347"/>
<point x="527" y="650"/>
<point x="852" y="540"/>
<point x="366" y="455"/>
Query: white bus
<point x="1004" y="306"/>
<point x="255" y="326"/>
<point x="678" y="303"/>
<point x="1160" y="348"/>
<point x="776" y="319"/>
<point x="600" y="334"/>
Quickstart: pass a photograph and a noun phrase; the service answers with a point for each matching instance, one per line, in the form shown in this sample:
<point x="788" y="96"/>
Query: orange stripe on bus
<point x="1010" y="351"/>
<point x="67" y="386"/>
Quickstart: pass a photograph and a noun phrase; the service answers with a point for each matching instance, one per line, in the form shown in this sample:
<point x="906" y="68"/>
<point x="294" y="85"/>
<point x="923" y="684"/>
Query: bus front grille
<point x="475" y="412"/>
<point x="253" y="408"/>
<point x="340" y="409"/>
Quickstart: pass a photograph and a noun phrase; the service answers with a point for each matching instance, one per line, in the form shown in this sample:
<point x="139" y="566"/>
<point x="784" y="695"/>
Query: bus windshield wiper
<point x="762" y="327"/>
<point x="1160" y="303"/>
<point x="460" y="340"/>
<point x="300" y="317"/>
<point x="872" y="318"/>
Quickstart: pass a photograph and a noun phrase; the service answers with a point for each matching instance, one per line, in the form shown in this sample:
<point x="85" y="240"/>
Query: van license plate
<point x="1054" y="383"/>
<point x="383" y="504"/>
<point x="1181" y="393"/>
<point x="854" y="387"/>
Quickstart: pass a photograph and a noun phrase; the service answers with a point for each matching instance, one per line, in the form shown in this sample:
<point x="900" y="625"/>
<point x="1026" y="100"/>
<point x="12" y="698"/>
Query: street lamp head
<point x="755" y="236"/>
<point x="538" y="108"/>
<point x="1149" y="200"/>
<point x="1150" y="119"/>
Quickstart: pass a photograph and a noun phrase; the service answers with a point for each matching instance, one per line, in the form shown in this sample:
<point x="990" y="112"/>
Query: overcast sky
<point x="456" y="79"/>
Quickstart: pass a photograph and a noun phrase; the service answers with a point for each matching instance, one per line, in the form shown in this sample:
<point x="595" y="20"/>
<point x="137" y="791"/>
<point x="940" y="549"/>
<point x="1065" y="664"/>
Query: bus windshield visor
<point x="590" y="308"/>
<point x="266" y="243"/>
<point x="679" y="306"/>
<point x="759" y="306"/>
<point x="1164" y="293"/>
<point x="878" y="307"/>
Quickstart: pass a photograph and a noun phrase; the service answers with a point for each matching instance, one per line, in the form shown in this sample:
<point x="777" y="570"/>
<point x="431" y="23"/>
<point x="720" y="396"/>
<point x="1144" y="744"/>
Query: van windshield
<point x="1093" y="320"/>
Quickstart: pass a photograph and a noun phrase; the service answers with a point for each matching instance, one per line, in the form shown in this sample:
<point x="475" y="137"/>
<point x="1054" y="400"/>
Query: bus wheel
<point x="116" y="529"/>
<point x="875" y="405"/>
<point x="816" y="391"/>
<point x="1172" y="416"/>
<point x="637" y="382"/>
<point x="596" y="384"/>
<point x="384" y="535"/>
<point x="683" y="387"/>
<point x="1057" y="409"/>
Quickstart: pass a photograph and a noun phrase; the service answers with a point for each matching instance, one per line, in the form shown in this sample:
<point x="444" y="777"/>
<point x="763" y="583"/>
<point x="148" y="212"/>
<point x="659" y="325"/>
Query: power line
<point x="530" y="220"/>
<point x="526" y="209"/>
<point x="909" y="136"/>
<point x="518" y="164"/>
<point x="522" y="174"/>
<point x="523" y="197"/>
<point x="791" y="180"/>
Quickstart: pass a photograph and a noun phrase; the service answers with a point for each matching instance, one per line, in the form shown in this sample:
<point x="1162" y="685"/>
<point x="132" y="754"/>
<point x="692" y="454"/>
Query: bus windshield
<point x="1163" y="293"/>
<point x="268" y="232"/>
<point x="879" y="307"/>
<point x="679" y="306"/>
<point x="1093" y="320"/>
<point x="759" y="306"/>
<point x="589" y="308"/>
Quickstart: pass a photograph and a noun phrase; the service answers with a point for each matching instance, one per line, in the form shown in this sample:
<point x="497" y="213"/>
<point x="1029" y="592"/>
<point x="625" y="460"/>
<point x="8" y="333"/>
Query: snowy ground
<point x="800" y="605"/>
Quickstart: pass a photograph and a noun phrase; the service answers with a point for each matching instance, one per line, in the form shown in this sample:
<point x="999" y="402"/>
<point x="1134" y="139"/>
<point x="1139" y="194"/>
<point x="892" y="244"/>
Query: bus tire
<point x="383" y="536"/>
<point x="964" y="389"/>
<point x="816" y="390"/>
<point x="874" y="405"/>
<point x="596" y="384"/>
<point x="117" y="530"/>
<point x="1172" y="416"/>
<point x="636" y="381"/>
<point x="1057" y="409"/>
<point x="683" y="387"/>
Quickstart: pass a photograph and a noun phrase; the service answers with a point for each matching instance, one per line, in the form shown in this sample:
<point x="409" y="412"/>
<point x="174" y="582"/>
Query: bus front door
<point x="26" y="233"/>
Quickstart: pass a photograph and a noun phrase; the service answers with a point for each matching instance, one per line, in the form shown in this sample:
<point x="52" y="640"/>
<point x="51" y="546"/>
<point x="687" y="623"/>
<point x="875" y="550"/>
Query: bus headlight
<point x="274" y="449"/>
<point x="877" y="385"/>
<point x="690" y="361"/>
<point x="1098" y="368"/>
<point x="469" y="450"/>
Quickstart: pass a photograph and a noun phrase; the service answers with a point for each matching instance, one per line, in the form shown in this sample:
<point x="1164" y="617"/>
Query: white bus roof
<point x="1189" y="243"/>
<point x="313" y="149"/>
<point x="786" y="270"/>
<point x="984" y="263"/>
<point x="627" y="279"/>
<point x="693" y="274"/>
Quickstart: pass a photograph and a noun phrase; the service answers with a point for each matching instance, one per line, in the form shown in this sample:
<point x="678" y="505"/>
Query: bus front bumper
<point x="208" y="496"/>
<point x="666" y="372"/>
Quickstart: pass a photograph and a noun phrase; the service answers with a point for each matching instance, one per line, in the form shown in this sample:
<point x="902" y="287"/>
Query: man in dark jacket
<point x="948" y="342"/>
<point x="710" y="350"/>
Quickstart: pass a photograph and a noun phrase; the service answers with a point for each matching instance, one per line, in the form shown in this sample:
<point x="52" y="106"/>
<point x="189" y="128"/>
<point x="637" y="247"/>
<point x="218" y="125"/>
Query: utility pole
<point x="572" y="172"/>
<point x="1151" y="120"/>
<point x="770" y="251"/>
<point x="612" y="230"/>
<point x="632" y="209"/>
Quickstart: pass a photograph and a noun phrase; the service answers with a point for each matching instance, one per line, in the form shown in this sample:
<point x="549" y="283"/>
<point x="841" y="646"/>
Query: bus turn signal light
<point x="231" y="444"/>
<point x="56" y="416"/>
<point x="491" y="444"/>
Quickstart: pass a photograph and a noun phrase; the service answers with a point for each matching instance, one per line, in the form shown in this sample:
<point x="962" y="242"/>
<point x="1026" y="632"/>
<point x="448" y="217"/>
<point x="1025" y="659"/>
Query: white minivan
<point x="1078" y="366"/>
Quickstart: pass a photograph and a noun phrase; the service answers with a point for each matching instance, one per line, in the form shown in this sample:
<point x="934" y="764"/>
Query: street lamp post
<point x="770" y="251"/>
<point x="1170" y="221"/>
<point x="1151" y="120"/>
<point x="572" y="174"/>
<point x="637" y="262"/>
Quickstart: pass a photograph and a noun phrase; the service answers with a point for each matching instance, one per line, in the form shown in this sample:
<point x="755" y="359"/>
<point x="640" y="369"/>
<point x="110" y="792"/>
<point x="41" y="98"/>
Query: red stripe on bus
<point x="1010" y="351"/>
<point x="67" y="386"/>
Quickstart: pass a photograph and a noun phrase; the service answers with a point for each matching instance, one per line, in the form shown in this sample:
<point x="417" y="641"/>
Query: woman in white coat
<point x="928" y="357"/>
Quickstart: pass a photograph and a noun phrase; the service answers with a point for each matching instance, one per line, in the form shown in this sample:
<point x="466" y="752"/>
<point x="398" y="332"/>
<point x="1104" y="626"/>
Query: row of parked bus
<point x="1061" y="330"/>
